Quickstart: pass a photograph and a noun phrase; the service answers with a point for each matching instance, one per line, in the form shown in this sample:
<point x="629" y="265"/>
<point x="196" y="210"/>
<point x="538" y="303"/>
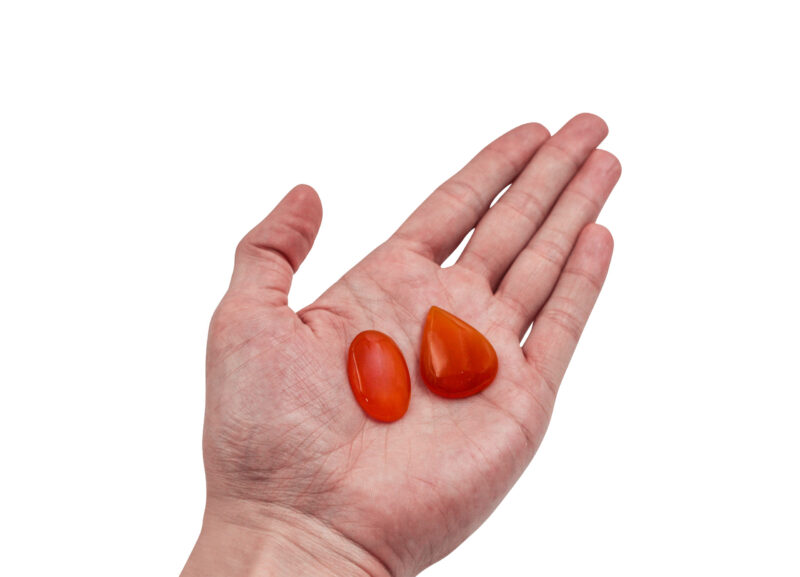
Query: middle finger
<point x="508" y="226"/>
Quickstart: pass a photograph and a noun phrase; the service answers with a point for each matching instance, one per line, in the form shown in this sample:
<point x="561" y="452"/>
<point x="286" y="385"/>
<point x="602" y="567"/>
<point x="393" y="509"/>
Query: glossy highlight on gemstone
<point x="378" y="376"/>
<point x="456" y="360"/>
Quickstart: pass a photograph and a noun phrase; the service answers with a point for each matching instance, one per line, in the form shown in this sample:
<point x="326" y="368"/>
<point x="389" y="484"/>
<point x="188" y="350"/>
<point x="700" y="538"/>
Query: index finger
<point x="439" y="224"/>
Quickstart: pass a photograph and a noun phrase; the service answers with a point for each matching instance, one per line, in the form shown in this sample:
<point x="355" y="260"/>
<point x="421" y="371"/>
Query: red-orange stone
<point x="456" y="360"/>
<point x="378" y="376"/>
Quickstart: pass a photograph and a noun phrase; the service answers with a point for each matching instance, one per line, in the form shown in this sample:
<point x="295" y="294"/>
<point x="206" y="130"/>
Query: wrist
<point x="244" y="539"/>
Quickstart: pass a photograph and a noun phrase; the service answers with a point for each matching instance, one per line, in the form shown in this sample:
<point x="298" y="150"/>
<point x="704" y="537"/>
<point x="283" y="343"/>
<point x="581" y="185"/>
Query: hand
<point x="299" y="478"/>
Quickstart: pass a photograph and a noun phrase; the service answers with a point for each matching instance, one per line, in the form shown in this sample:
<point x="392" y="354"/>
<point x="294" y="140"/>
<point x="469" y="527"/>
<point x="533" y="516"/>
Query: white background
<point x="140" y="140"/>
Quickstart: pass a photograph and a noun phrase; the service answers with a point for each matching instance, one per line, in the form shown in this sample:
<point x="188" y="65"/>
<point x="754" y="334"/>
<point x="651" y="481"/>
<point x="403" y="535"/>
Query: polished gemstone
<point x="456" y="360"/>
<point x="378" y="376"/>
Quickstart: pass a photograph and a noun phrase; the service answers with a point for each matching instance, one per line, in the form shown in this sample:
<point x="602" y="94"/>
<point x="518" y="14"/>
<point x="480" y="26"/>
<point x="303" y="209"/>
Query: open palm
<point x="284" y="436"/>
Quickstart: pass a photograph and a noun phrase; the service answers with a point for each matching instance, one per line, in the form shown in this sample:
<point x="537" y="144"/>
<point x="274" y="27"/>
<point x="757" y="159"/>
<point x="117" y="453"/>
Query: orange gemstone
<point x="378" y="376"/>
<point x="456" y="360"/>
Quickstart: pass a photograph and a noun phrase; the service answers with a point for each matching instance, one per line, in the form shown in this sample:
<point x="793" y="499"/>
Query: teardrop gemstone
<point x="378" y="376"/>
<point x="456" y="360"/>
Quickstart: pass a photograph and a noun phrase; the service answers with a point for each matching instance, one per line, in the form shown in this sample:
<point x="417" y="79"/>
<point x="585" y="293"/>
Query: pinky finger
<point x="560" y="322"/>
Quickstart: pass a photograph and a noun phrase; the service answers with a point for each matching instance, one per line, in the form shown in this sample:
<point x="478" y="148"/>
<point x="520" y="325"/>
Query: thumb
<point x="269" y="255"/>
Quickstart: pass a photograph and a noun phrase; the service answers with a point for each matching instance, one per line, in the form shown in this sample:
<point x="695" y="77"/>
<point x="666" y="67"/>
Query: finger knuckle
<point x="563" y="314"/>
<point x="550" y="251"/>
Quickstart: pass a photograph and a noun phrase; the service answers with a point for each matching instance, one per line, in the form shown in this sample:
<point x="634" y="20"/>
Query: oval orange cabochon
<point x="456" y="360"/>
<point x="379" y="376"/>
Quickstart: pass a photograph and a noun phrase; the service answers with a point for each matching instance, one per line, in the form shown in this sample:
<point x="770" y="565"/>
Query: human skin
<point x="299" y="480"/>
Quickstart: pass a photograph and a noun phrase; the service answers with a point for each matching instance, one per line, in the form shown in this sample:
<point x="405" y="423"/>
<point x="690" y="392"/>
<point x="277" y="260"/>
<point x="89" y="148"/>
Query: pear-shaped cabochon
<point x="456" y="360"/>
